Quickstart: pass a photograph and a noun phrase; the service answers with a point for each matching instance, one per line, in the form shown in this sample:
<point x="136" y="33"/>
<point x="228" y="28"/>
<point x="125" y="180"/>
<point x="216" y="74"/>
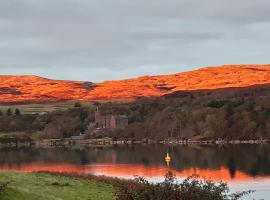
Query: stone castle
<point x="108" y="121"/>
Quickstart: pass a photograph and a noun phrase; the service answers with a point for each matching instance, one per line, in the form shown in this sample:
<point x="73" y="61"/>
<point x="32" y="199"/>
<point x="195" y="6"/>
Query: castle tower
<point x="97" y="117"/>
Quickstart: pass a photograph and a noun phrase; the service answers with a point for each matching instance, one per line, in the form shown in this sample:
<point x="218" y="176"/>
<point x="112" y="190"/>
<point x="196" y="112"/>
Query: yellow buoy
<point x="168" y="159"/>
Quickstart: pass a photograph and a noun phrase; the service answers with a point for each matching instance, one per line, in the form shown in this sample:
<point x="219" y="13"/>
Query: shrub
<point x="77" y="104"/>
<point x="216" y="104"/>
<point x="60" y="184"/>
<point x="190" y="189"/>
<point x="3" y="187"/>
<point x="17" y="112"/>
<point x="9" y="112"/>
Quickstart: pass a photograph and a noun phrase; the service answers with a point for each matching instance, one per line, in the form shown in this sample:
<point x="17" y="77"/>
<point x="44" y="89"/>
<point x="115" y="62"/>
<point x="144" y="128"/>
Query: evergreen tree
<point x="17" y="112"/>
<point x="77" y="105"/>
<point x="9" y="112"/>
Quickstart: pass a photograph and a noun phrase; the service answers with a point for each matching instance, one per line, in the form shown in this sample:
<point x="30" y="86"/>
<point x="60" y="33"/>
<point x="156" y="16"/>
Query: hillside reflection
<point x="220" y="163"/>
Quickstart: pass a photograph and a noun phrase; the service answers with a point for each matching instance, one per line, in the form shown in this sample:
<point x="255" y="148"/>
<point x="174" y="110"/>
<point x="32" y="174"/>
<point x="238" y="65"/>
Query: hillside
<point x="30" y="89"/>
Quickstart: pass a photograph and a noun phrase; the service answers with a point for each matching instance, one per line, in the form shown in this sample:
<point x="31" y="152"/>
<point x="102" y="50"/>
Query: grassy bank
<point x="40" y="186"/>
<point x="62" y="186"/>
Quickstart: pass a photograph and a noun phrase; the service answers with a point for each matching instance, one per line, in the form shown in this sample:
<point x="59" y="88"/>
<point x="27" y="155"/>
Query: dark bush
<point x="216" y="104"/>
<point x="17" y="112"/>
<point x="3" y="187"/>
<point x="60" y="184"/>
<point x="8" y="112"/>
<point x="190" y="189"/>
<point x="77" y="104"/>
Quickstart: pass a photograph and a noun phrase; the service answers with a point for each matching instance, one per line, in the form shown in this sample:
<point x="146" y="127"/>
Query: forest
<point x="232" y="113"/>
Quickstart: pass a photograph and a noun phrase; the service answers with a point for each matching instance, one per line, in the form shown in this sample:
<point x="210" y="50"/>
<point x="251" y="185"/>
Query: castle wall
<point x="110" y="121"/>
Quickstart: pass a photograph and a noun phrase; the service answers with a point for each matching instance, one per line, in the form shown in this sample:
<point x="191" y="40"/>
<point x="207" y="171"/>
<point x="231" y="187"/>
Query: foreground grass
<point x="72" y="186"/>
<point x="40" y="186"/>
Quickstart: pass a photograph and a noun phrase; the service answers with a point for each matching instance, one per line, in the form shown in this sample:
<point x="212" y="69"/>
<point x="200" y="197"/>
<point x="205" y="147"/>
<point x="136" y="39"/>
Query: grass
<point x="192" y="188"/>
<point x="42" y="186"/>
<point x="72" y="186"/>
<point x="43" y="107"/>
<point x="31" y="108"/>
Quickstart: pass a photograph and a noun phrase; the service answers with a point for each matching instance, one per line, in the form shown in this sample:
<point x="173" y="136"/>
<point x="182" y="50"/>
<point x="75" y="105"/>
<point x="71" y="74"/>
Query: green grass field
<point x="40" y="186"/>
<point x="55" y="106"/>
<point x="43" y="107"/>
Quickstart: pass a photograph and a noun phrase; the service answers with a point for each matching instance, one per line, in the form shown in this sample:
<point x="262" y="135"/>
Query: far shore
<point x="109" y="141"/>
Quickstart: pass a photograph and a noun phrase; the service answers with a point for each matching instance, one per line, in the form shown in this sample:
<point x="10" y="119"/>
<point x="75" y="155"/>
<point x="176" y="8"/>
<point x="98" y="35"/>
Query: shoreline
<point x="67" y="142"/>
<point x="109" y="141"/>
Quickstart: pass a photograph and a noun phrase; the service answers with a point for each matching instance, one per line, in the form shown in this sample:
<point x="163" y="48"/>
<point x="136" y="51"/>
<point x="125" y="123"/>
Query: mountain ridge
<point x="36" y="89"/>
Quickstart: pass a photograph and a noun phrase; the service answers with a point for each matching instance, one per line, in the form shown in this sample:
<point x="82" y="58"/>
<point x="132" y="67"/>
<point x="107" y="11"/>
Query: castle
<point x="108" y="121"/>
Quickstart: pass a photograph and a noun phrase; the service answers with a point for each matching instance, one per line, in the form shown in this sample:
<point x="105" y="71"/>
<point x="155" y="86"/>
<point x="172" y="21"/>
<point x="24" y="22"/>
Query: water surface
<point x="242" y="166"/>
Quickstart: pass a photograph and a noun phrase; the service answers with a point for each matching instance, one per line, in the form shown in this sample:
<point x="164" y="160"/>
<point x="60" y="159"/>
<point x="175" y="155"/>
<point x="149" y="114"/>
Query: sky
<point x="97" y="40"/>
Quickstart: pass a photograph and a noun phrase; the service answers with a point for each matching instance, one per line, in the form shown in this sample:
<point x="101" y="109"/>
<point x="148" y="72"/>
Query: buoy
<point x="168" y="159"/>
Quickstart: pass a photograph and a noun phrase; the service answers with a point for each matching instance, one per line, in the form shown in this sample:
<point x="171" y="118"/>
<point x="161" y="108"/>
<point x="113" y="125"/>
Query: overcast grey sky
<point x="97" y="40"/>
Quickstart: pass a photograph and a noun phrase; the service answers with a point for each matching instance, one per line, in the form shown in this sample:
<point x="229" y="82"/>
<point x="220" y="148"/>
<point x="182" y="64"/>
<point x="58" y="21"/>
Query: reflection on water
<point x="243" y="166"/>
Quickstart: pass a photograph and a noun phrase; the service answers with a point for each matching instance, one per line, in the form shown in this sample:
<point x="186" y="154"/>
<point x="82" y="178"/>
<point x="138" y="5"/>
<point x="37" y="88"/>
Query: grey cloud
<point x="97" y="40"/>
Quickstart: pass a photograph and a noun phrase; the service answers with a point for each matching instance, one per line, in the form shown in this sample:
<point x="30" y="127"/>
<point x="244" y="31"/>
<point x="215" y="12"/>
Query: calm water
<point x="242" y="166"/>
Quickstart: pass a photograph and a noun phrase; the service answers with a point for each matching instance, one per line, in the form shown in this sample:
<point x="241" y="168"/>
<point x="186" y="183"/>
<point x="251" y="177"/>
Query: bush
<point x="140" y="189"/>
<point x="9" y="112"/>
<point x="190" y="189"/>
<point x="216" y="104"/>
<point x="3" y="187"/>
<point x="17" y="112"/>
<point x="77" y="104"/>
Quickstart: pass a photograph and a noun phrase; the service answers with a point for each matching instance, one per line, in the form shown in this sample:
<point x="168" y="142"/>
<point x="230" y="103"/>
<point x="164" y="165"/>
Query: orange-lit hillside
<point x="26" y="89"/>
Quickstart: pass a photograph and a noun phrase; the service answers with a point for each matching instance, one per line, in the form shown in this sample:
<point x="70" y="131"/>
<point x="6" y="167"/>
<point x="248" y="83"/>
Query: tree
<point x="83" y="115"/>
<point x="17" y="112"/>
<point x="77" y="105"/>
<point x="1" y="113"/>
<point x="9" y="112"/>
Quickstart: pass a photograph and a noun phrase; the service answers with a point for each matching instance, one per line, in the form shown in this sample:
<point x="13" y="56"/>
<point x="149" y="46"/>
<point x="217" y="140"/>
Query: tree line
<point x="9" y="112"/>
<point x="200" y="115"/>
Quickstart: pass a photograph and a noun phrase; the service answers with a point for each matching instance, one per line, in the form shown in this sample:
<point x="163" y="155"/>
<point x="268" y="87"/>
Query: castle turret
<point x="98" y="118"/>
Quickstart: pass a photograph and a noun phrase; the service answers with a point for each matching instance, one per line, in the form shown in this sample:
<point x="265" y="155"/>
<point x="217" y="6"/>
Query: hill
<point x="33" y="89"/>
